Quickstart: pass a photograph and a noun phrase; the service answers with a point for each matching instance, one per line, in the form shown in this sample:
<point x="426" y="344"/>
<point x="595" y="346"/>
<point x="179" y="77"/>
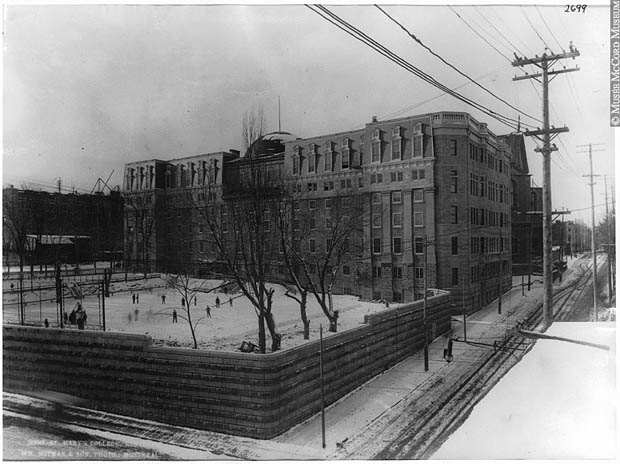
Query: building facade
<point x="434" y="191"/>
<point x="47" y="227"/>
<point x="526" y="211"/>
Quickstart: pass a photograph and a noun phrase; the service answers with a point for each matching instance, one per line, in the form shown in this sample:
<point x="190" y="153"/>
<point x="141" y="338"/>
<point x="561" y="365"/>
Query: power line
<point x="410" y="34"/>
<point x="548" y="28"/>
<point x="506" y="28"/>
<point x="478" y="34"/>
<point x="514" y="47"/>
<point x="417" y="105"/>
<point x="535" y="30"/>
<point x="362" y="37"/>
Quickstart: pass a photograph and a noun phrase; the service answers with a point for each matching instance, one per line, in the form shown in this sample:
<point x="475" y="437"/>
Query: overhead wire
<point x="409" y="108"/>
<point x="362" y="37"/>
<point x="535" y="30"/>
<point x="569" y="166"/>
<point x="478" y="34"/>
<point x="499" y="32"/>
<point x="500" y="21"/>
<point x="426" y="47"/>
<point x="548" y="28"/>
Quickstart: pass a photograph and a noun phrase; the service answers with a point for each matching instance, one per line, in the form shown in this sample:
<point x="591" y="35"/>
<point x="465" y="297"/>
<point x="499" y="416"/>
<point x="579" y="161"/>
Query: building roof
<point x="269" y="144"/>
<point x="516" y="142"/>
<point x="48" y="239"/>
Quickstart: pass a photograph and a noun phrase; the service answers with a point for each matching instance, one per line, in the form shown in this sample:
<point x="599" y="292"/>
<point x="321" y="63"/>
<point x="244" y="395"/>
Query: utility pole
<point x="544" y="62"/>
<point x="425" y="304"/>
<point x="593" y="241"/>
<point x="610" y="244"/>
<point x="499" y="299"/>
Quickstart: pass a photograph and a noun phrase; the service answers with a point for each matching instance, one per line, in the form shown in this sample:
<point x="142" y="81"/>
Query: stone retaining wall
<point x="259" y="396"/>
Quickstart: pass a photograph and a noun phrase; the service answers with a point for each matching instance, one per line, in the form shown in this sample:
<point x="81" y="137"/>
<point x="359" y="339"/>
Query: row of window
<point x="484" y="245"/>
<point x="397" y="272"/>
<point x="397" y="219"/>
<point x="479" y="186"/>
<point x="481" y="155"/>
<point x="487" y="270"/>
<point x="485" y="217"/>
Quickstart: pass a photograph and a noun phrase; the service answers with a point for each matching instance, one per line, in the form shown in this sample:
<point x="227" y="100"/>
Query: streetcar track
<point x="421" y="440"/>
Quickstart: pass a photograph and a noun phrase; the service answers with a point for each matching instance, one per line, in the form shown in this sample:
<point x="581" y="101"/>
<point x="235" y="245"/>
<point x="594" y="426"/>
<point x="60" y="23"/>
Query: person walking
<point x="133" y="298"/>
<point x="79" y="317"/>
<point x="135" y="312"/>
<point x="163" y="299"/>
<point x="217" y="301"/>
<point x="230" y="301"/>
<point x="208" y="308"/>
<point x="47" y="324"/>
<point x="183" y="302"/>
<point x="137" y="298"/>
<point x="174" y="316"/>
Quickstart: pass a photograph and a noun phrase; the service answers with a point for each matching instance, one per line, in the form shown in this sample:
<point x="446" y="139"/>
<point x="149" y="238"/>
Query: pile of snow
<point x="559" y="402"/>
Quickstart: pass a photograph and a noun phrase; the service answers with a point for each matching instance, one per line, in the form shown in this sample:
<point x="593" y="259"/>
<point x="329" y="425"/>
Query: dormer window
<point x="397" y="142"/>
<point x="376" y="147"/>
<point x="417" y="146"/>
<point x="313" y="158"/>
<point x="345" y="162"/>
<point x="329" y="155"/>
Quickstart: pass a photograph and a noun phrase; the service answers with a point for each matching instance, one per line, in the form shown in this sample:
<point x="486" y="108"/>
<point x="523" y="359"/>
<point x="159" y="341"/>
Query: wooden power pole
<point x="610" y="245"/>
<point x="546" y="135"/>
<point x="593" y="239"/>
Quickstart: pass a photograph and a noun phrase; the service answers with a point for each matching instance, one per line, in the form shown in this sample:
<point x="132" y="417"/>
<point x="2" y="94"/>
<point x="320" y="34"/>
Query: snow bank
<point x="559" y="402"/>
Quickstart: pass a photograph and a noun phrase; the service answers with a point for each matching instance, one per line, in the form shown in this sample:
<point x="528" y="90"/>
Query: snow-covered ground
<point x="227" y="327"/>
<point x="559" y="402"/>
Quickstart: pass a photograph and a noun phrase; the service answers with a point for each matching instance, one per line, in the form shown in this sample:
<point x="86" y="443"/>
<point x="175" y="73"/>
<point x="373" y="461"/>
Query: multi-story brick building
<point x="435" y="184"/>
<point x="46" y="227"/>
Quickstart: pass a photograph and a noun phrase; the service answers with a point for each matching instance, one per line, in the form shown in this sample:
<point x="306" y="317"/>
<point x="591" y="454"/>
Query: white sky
<point x="88" y="88"/>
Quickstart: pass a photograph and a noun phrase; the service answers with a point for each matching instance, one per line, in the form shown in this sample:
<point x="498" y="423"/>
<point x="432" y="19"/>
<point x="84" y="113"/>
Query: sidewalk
<point x="356" y="418"/>
<point x="354" y="422"/>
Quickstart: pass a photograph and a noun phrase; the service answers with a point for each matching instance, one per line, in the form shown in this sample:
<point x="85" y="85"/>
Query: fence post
<point x="103" y="304"/>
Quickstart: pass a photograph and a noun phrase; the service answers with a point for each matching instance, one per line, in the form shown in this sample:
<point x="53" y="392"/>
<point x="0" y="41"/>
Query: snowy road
<point x="28" y="438"/>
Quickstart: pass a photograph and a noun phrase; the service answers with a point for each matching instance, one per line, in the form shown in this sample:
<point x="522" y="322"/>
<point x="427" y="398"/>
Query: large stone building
<point x="437" y="183"/>
<point x="45" y="227"/>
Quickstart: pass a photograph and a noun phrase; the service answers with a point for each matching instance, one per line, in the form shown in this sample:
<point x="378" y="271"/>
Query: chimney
<point x="374" y="119"/>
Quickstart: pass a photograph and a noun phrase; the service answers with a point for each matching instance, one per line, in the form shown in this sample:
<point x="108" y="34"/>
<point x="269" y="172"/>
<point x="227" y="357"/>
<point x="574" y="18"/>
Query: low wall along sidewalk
<point x="258" y="396"/>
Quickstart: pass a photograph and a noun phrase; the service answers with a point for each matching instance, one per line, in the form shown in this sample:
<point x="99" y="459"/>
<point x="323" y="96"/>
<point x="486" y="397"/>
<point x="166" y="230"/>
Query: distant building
<point x="573" y="237"/>
<point x="47" y="227"/>
<point x="526" y="211"/>
<point x="437" y="182"/>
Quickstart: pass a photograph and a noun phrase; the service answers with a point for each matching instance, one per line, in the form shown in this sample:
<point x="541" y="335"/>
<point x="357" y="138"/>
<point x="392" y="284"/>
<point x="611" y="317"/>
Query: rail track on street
<point x="428" y="427"/>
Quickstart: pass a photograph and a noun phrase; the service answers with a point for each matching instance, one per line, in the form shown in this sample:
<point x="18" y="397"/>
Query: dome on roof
<point x="270" y="144"/>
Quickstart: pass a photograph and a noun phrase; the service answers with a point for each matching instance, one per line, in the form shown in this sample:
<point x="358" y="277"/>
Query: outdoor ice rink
<point x="228" y="326"/>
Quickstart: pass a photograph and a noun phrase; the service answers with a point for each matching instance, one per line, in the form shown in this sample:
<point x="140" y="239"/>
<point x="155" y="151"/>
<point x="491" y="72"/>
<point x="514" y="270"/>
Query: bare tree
<point x="142" y="224"/>
<point x="185" y="286"/>
<point x="253" y="126"/>
<point x="316" y="252"/>
<point x="18" y="223"/>
<point x="290" y="259"/>
<point x="240" y="230"/>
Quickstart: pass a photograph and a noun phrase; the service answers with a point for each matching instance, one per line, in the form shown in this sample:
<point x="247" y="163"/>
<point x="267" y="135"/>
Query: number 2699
<point x="575" y="8"/>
